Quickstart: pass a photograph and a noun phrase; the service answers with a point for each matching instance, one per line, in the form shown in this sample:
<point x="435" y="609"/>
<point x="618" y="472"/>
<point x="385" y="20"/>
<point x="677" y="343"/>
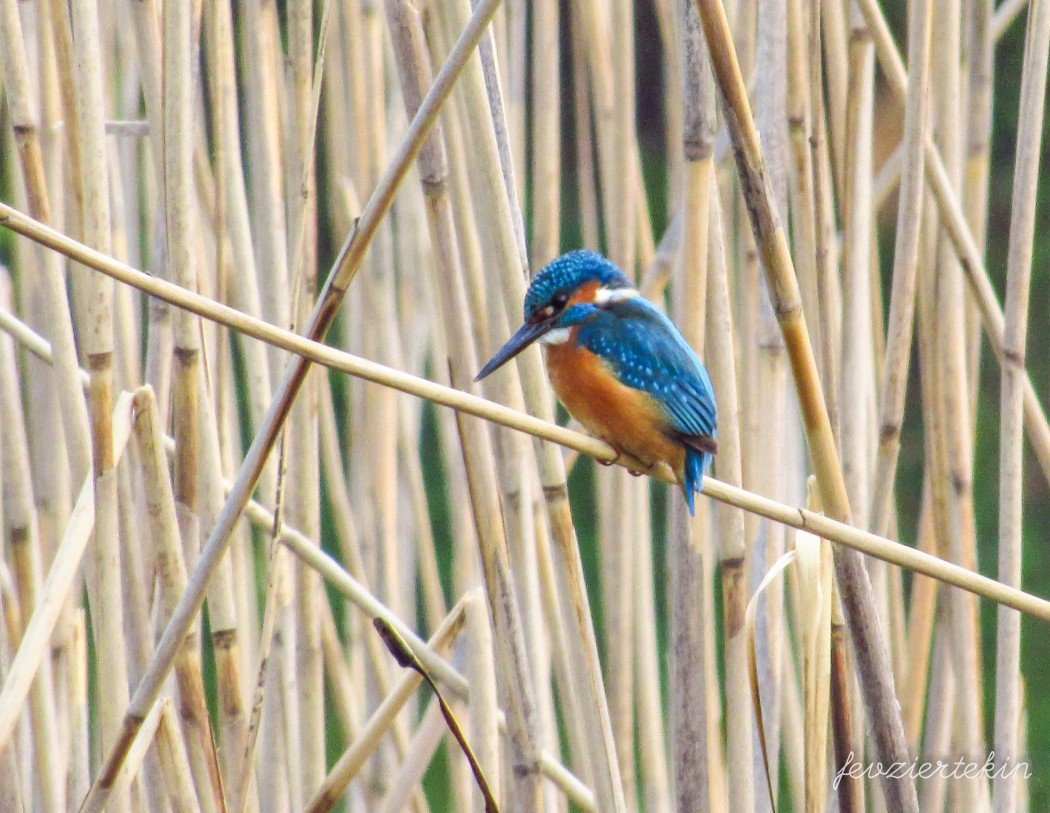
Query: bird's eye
<point x="559" y="301"/>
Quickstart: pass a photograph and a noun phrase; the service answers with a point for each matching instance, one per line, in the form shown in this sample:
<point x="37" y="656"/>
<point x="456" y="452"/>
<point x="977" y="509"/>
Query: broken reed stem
<point x="353" y="758"/>
<point x="863" y="541"/>
<point x="35" y="643"/>
<point x="868" y="639"/>
<point x="1008" y="721"/>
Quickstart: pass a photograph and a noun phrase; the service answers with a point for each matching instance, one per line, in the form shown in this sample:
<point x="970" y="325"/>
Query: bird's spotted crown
<point x="569" y="272"/>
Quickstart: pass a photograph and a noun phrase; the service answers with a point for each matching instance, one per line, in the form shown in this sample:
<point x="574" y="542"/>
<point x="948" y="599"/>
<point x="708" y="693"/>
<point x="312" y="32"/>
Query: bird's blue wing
<point x="647" y="352"/>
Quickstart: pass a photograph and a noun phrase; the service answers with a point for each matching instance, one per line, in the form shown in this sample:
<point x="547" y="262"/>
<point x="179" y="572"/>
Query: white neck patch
<point x="559" y="335"/>
<point x="607" y="296"/>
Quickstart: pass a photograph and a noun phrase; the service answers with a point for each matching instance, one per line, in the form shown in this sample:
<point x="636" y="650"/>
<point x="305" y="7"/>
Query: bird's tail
<point x="696" y="463"/>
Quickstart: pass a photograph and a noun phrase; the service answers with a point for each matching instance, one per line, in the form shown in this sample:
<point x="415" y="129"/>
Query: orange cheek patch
<point x="585" y="293"/>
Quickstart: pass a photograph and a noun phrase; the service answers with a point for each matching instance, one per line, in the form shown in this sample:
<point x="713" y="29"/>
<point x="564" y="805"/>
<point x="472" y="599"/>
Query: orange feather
<point x="626" y="418"/>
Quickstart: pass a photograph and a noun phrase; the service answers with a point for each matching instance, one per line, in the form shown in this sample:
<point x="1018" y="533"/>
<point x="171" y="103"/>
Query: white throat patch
<point x="559" y="335"/>
<point x="607" y="296"/>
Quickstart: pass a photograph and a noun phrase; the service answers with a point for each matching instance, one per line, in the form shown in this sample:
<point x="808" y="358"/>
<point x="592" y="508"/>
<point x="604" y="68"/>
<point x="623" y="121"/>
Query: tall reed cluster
<point x="209" y="206"/>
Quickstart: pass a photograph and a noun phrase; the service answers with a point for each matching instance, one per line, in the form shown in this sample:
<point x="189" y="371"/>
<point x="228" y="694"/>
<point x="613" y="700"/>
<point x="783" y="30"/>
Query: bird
<point x="620" y="366"/>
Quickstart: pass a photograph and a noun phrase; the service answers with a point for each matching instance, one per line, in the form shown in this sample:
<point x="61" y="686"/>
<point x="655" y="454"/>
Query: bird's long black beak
<point x="526" y="335"/>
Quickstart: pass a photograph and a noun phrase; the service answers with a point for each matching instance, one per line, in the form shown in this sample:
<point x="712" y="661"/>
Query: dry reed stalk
<point x="620" y="198"/>
<point x="1008" y="718"/>
<point x="828" y="326"/>
<point x="1005" y="13"/>
<point x="96" y="340"/>
<point x="851" y="788"/>
<point x="572" y="705"/>
<point x="484" y="728"/>
<point x="617" y="509"/>
<point x="769" y="469"/>
<point x="304" y="509"/>
<point x="496" y="208"/>
<point x="513" y="452"/>
<point x="596" y="46"/>
<point x="546" y="132"/>
<point x="23" y="544"/>
<point x="78" y="760"/>
<point x="346" y="265"/>
<point x="857" y="347"/>
<point x="954" y="222"/>
<point x="654" y="789"/>
<point x="920" y="630"/>
<point x="273" y="785"/>
<point x="511" y="657"/>
<point x="259" y="50"/>
<point x="979" y="80"/>
<point x="405" y="787"/>
<point x="894" y="375"/>
<point x="243" y="290"/>
<point x="75" y="420"/>
<point x="353" y="758"/>
<point x="144" y="740"/>
<point x="433" y="594"/>
<point x="174" y="763"/>
<point x="803" y="197"/>
<point x="346" y="703"/>
<point x="695" y="753"/>
<point x="180" y="229"/>
<point x="227" y="622"/>
<point x="454" y="127"/>
<point x="687" y="707"/>
<point x="12" y="792"/>
<point x="869" y="643"/>
<point x="733" y="553"/>
<point x="309" y="552"/>
<point x="35" y="642"/>
<point x="587" y="184"/>
<point x="830" y="26"/>
<point x="953" y="472"/>
<point x="496" y="217"/>
<point x="862" y="541"/>
<point x="162" y="512"/>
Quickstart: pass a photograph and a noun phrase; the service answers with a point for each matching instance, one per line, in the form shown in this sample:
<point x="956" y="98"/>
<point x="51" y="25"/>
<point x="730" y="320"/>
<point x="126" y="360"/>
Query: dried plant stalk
<point x="1019" y="269"/>
<point x="868" y="640"/>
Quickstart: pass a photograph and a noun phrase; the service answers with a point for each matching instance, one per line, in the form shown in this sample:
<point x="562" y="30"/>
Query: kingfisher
<point x="619" y="365"/>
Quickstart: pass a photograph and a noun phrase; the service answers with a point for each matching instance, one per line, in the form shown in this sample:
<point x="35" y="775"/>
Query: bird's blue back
<point x="646" y="352"/>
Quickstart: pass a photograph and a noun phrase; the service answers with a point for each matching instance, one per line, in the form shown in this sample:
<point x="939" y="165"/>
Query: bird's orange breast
<point x="626" y="418"/>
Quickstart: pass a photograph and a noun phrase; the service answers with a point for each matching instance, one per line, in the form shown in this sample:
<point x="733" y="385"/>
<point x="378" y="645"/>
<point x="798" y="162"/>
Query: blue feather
<point x="647" y="352"/>
<point x="696" y="464"/>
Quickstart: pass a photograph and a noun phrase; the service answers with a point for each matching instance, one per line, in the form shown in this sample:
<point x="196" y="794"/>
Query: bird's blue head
<point x="565" y="293"/>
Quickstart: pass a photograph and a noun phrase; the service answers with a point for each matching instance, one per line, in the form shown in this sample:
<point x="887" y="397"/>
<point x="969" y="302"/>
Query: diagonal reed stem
<point x="819" y="524"/>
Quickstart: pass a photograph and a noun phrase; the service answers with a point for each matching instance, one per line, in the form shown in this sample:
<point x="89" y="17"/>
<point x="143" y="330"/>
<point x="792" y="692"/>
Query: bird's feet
<point x="647" y="471"/>
<point x="619" y="454"/>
